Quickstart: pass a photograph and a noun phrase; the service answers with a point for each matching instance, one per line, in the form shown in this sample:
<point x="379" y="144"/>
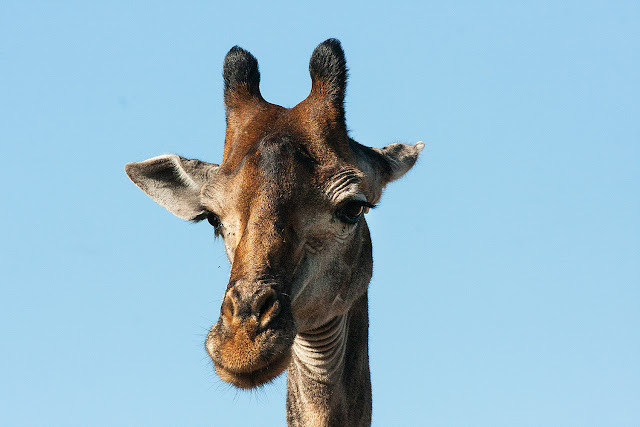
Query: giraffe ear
<point x="383" y="165"/>
<point x="173" y="182"/>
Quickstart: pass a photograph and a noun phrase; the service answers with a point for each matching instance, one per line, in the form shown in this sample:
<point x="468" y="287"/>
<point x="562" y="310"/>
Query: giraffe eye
<point x="351" y="211"/>
<point x="214" y="220"/>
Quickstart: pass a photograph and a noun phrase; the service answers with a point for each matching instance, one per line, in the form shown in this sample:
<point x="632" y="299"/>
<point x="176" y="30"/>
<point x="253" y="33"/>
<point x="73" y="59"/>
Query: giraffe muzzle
<point x="251" y="342"/>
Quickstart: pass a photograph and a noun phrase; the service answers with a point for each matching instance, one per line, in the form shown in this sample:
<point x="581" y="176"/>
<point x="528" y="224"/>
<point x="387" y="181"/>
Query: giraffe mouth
<point x="257" y="377"/>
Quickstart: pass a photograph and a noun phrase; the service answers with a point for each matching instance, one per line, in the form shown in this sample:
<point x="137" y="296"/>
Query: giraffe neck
<point x="328" y="380"/>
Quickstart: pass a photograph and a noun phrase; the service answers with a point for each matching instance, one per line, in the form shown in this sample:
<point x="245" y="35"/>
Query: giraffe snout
<point x="251" y="342"/>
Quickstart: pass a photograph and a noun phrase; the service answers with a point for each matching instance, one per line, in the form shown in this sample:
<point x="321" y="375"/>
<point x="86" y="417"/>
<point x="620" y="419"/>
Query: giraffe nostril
<point x="266" y="307"/>
<point x="228" y="309"/>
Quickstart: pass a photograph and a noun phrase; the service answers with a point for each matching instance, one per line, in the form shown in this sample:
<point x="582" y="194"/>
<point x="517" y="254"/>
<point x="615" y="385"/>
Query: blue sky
<point x="506" y="287"/>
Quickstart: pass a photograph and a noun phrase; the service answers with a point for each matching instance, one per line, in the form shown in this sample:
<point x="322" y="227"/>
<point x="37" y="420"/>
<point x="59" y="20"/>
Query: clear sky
<point x="506" y="287"/>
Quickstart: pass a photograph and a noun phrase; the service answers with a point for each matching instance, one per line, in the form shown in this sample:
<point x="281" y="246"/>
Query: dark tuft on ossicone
<point x="241" y="68"/>
<point x="329" y="65"/>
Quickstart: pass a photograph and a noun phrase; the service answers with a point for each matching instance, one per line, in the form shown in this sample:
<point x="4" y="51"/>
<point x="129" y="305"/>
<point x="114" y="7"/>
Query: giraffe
<point x="288" y="200"/>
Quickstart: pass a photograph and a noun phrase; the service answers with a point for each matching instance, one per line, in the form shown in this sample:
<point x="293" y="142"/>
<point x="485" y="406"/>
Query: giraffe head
<point x="288" y="200"/>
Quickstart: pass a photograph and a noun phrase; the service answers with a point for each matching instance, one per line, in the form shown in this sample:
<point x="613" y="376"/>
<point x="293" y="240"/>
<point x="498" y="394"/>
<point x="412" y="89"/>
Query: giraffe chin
<point x="258" y="377"/>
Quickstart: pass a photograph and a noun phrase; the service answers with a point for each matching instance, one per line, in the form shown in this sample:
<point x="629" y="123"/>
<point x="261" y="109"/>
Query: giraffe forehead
<point x="287" y="166"/>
